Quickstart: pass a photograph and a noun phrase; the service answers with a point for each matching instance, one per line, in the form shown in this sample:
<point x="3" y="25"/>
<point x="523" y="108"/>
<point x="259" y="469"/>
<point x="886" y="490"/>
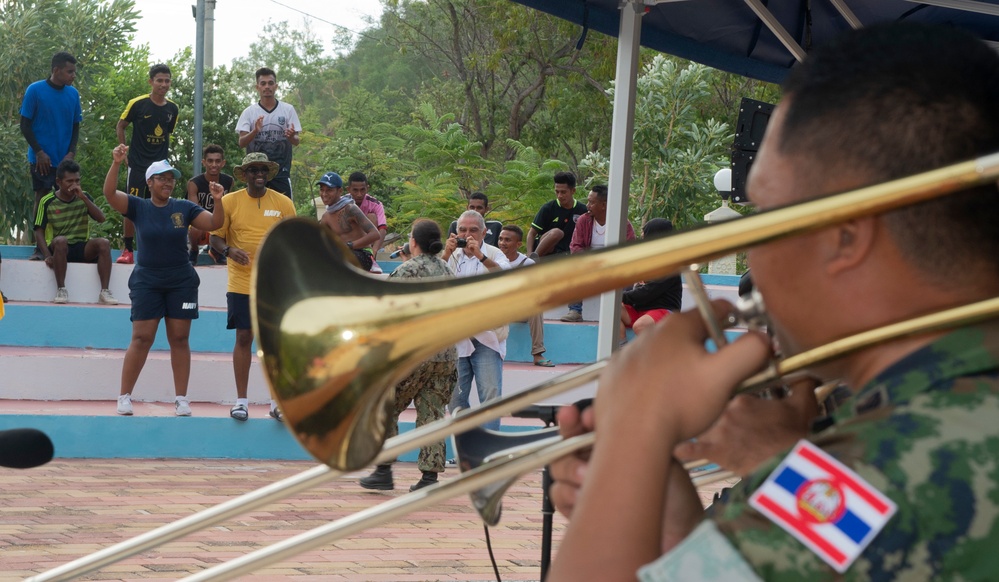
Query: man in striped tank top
<point x="62" y="231"/>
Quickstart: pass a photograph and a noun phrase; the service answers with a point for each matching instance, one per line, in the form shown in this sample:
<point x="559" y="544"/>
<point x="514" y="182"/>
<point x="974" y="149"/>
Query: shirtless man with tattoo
<point x="346" y="220"/>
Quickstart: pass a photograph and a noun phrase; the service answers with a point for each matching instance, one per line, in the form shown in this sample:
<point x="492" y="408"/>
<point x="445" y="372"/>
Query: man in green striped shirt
<point x="62" y="231"/>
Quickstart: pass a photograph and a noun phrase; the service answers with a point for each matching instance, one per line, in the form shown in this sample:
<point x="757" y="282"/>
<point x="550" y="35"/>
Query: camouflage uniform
<point x="926" y="433"/>
<point x="431" y="384"/>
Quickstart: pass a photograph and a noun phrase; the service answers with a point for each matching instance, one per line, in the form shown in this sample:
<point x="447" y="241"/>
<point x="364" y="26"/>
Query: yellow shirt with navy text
<point x="247" y="220"/>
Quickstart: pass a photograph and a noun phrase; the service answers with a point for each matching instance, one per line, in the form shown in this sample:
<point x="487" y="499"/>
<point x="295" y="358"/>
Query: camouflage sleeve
<point x="705" y="554"/>
<point x="934" y="456"/>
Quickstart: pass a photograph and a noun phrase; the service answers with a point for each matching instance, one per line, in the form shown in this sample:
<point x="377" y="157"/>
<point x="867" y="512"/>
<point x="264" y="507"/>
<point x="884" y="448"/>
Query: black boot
<point x="429" y="478"/>
<point x="380" y="479"/>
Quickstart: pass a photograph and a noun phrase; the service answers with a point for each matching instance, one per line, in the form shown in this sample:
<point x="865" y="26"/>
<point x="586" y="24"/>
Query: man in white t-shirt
<point x="510" y="237"/>
<point x="591" y="233"/>
<point x="270" y="126"/>
<point x="480" y="356"/>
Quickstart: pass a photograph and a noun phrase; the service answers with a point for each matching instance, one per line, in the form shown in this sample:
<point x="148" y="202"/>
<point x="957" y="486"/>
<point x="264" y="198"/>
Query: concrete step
<point x="92" y="430"/>
<point x="83" y="374"/>
<point x="43" y="325"/>
<point x="78" y="411"/>
<point x="33" y="282"/>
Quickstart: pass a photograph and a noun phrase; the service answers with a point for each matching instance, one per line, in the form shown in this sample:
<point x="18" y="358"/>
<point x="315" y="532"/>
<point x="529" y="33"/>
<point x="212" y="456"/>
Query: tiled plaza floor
<point x="68" y="508"/>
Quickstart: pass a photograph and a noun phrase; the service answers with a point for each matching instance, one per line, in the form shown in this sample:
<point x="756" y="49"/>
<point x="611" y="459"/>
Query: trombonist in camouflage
<point x="905" y="483"/>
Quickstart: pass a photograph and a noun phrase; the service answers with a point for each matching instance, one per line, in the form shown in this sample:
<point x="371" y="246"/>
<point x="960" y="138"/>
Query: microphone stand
<point x="547" y="414"/>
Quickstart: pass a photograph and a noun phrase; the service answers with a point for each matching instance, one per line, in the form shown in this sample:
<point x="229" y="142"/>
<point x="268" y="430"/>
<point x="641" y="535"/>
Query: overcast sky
<point x="168" y="25"/>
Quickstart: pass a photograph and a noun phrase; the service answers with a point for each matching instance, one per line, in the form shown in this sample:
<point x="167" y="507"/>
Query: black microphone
<point x="404" y="250"/>
<point x="24" y="448"/>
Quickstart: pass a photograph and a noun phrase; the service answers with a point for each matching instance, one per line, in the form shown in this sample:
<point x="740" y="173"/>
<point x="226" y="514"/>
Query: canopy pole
<point x="777" y="28"/>
<point x="622" y="131"/>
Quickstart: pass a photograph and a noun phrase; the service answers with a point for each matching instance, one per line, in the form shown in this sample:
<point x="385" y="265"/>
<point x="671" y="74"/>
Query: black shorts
<point x="136" y="182"/>
<point x="364" y="257"/>
<point x="158" y="293"/>
<point x="238" y="305"/>
<point x="76" y="253"/>
<point x="40" y="183"/>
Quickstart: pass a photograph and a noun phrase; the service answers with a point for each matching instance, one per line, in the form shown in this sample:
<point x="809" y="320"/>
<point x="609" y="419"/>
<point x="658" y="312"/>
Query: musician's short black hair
<point x="892" y="100"/>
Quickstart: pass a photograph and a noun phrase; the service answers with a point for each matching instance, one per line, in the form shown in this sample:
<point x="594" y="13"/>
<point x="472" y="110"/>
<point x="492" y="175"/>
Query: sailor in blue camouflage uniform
<point x="429" y="387"/>
<point x="905" y="483"/>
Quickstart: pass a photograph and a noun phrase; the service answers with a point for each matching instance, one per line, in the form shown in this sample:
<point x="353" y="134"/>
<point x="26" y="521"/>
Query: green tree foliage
<point x="675" y="152"/>
<point x="224" y="94"/>
<point x="495" y="59"/>
<point x="447" y="168"/>
<point x="106" y="97"/>
<point x="101" y="35"/>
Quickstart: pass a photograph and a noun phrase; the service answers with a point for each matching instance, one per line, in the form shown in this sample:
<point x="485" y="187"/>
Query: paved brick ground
<point x="68" y="508"/>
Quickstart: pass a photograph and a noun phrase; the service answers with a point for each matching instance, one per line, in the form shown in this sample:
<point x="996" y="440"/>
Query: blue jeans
<point x="486" y="366"/>
<point x="577" y="307"/>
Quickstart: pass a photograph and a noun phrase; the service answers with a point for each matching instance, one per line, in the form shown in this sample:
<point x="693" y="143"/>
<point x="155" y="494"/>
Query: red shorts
<point x="657" y="315"/>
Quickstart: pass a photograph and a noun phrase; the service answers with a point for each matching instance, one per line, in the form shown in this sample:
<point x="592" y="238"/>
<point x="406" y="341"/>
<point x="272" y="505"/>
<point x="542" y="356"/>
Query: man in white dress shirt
<point x="480" y="356"/>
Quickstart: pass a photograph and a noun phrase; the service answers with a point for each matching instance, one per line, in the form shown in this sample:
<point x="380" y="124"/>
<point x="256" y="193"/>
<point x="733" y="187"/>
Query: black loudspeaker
<point x="752" y="123"/>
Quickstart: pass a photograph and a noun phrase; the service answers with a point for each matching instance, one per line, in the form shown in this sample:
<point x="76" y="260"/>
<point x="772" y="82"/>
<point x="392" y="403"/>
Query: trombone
<point x="334" y="341"/>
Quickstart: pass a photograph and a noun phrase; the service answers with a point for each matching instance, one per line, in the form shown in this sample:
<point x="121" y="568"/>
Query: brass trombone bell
<point x="334" y="340"/>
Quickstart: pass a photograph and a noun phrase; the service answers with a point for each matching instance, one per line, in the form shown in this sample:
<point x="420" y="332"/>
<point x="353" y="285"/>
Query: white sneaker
<point x="125" y="405"/>
<point x="106" y="298"/>
<point x="62" y="295"/>
<point x="183" y="407"/>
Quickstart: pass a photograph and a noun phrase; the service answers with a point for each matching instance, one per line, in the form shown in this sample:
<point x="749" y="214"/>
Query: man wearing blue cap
<point x="346" y="220"/>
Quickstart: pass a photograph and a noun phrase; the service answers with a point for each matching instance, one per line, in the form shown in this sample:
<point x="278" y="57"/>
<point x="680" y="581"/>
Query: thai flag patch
<point x="824" y="504"/>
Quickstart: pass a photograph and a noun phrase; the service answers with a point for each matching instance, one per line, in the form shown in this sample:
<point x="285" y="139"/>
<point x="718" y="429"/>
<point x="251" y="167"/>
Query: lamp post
<point x="723" y="183"/>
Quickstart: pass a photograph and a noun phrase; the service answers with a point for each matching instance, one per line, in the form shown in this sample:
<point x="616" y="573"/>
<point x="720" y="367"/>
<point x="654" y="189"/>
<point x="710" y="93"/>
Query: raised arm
<point x="212" y="220"/>
<point x="245" y="137"/>
<point x="115" y="197"/>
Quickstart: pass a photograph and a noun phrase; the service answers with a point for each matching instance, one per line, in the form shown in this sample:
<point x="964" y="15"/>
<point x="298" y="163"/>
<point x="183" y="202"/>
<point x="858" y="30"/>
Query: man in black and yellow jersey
<point x="153" y="118"/>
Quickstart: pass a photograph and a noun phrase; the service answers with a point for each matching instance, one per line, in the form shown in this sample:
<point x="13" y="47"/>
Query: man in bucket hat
<point x="249" y="214"/>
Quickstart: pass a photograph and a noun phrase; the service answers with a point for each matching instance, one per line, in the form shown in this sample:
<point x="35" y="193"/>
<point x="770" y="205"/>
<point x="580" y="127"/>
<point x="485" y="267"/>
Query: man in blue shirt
<point x="50" y="123"/>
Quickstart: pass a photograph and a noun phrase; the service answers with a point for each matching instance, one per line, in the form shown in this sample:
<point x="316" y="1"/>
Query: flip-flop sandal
<point x="545" y="363"/>
<point x="239" y="412"/>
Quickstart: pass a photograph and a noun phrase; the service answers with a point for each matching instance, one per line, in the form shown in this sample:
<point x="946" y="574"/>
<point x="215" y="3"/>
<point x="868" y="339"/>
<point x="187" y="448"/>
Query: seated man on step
<point x="62" y="232"/>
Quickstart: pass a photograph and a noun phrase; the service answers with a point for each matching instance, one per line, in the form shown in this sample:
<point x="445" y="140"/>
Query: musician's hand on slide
<point x="669" y="385"/>
<point x="568" y="472"/>
<point x="752" y="430"/>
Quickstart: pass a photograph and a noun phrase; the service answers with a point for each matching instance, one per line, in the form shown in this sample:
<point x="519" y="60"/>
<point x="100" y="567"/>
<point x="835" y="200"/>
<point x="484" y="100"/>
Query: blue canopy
<point x="730" y="35"/>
